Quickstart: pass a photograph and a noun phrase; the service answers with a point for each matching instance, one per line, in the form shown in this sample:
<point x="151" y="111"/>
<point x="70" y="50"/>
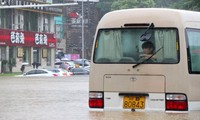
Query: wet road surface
<point x="62" y="98"/>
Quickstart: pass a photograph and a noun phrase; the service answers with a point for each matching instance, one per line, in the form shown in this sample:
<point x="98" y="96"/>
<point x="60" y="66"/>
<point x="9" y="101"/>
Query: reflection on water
<point x="117" y="115"/>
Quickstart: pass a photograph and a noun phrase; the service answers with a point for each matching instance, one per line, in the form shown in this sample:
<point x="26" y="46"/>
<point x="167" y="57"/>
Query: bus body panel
<point x="194" y="88"/>
<point x="134" y="83"/>
<point x="97" y="78"/>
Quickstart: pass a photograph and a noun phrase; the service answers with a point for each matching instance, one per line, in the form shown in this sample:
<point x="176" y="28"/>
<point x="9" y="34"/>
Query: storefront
<point x="27" y="47"/>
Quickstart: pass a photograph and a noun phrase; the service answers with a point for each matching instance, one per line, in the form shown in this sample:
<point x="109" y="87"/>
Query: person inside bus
<point x="148" y="50"/>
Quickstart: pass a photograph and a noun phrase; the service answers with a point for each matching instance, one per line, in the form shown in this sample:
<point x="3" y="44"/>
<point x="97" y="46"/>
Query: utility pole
<point x="83" y="35"/>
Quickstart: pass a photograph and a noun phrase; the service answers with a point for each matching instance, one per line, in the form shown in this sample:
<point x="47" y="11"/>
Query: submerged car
<point x="40" y="72"/>
<point x="80" y="62"/>
<point x="60" y="72"/>
<point x="80" y="71"/>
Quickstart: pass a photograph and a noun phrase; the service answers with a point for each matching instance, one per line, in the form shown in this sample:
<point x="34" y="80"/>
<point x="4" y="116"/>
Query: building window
<point x="5" y="20"/>
<point x="30" y="21"/>
<point x="1" y="18"/>
<point x="18" y="20"/>
<point x="34" y="22"/>
<point x="46" y="23"/>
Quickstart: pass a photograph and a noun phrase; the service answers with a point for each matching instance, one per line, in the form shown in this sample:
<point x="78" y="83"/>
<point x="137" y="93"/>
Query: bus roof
<point x="161" y="17"/>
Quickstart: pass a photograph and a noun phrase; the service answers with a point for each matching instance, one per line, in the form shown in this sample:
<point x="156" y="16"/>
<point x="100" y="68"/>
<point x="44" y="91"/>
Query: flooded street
<point x="62" y="98"/>
<point x="44" y="98"/>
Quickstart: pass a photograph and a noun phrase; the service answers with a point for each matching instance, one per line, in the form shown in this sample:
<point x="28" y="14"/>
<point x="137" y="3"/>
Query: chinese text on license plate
<point x="134" y="102"/>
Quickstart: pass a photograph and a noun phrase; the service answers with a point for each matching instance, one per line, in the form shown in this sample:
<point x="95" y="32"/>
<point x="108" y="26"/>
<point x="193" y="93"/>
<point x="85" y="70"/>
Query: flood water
<point x="63" y="98"/>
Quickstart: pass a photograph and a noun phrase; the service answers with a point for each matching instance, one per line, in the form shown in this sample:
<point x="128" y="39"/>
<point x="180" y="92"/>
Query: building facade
<point x="27" y="35"/>
<point x="61" y="42"/>
<point x="72" y="26"/>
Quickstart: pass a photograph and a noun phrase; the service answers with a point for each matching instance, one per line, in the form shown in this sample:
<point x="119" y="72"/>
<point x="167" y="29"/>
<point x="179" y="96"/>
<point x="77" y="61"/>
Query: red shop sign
<point x="27" y="38"/>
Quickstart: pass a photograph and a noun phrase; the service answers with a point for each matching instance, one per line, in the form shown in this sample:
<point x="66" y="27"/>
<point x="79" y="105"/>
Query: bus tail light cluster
<point x="96" y="100"/>
<point x="176" y="102"/>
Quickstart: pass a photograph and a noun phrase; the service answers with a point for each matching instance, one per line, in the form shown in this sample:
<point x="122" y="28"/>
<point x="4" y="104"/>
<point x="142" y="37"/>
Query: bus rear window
<point x="125" y="46"/>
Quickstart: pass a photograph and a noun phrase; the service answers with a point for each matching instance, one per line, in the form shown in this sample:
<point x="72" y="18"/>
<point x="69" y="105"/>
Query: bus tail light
<point x="96" y="100"/>
<point x="176" y="102"/>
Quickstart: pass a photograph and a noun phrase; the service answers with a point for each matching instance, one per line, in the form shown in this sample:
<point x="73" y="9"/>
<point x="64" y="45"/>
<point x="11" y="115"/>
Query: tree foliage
<point x="104" y="6"/>
<point x="126" y="4"/>
<point x="187" y="5"/>
<point x="165" y="3"/>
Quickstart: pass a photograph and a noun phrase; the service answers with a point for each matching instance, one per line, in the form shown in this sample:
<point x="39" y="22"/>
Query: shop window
<point x="27" y="55"/>
<point x="36" y="55"/>
<point x="12" y="52"/>
<point x="48" y="57"/>
<point x="3" y="53"/>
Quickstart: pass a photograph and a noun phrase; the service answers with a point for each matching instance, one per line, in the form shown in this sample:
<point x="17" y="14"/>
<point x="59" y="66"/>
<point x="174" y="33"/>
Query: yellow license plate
<point x="134" y="102"/>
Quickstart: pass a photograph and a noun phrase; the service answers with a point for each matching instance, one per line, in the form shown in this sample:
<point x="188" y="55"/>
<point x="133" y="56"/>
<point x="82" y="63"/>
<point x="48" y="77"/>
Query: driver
<point x="148" y="50"/>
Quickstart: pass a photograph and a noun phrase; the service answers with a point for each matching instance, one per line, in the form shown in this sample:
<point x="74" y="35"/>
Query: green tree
<point x="104" y="6"/>
<point x="187" y="5"/>
<point x="165" y="3"/>
<point x="126" y="4"/>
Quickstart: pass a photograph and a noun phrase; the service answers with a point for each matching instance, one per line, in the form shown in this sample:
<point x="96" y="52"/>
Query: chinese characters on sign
<point x="27" y="38"/>
<point x="17" y="37"/>
<point x="40" y="39"/>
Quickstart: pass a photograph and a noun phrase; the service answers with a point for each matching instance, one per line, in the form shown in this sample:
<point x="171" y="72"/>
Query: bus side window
<point x="102" y="60"/>
<point x="169" y="60"/>
<point x="127" y="59"/>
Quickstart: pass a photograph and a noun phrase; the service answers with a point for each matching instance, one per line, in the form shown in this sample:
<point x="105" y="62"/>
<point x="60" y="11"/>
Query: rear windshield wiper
<point x="134" y="66"/>
<point x="146" y="36"/>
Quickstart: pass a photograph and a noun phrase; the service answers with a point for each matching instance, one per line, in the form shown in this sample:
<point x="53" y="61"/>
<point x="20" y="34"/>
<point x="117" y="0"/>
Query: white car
<point x="60" y="72"/>
<point x="40" y="72"/>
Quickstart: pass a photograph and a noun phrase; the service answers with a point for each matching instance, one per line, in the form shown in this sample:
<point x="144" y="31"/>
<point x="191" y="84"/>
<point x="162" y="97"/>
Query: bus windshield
<point x="125" y="46"/>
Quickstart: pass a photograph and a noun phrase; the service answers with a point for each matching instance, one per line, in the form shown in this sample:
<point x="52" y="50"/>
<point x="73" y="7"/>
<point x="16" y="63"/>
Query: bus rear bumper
<point x="115" y="101"/>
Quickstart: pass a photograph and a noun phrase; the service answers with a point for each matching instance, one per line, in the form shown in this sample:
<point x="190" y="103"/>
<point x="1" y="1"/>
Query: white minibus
<point x="146" y="59"/>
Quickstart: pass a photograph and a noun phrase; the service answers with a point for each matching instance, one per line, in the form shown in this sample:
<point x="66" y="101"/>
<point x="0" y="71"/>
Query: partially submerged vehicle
<point x="120" y="80"/>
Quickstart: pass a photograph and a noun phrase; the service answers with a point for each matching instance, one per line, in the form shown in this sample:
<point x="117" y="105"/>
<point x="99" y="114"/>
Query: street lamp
<point x="82" y="35"/>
